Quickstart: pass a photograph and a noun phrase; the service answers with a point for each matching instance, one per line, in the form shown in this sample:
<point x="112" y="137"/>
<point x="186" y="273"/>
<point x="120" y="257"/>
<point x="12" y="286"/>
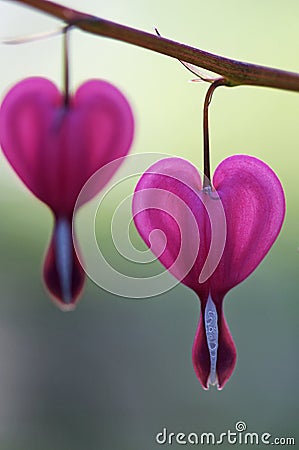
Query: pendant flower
<point x="54" y="148"/>
<point x="252" y="199"/>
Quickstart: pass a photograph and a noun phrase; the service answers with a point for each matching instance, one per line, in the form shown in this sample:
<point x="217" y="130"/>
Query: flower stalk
<point x="66" y="65"/>
<point x="206" y="139"/>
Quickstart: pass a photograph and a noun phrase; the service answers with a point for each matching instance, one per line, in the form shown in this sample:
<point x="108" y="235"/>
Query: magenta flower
<point x="54" y="148"/>
<point x="252" y="200"/>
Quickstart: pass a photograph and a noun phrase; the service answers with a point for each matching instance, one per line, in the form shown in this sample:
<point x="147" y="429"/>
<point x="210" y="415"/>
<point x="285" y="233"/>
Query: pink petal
<point x="55" y="149"/>
<point x="254" y="205"/>
<point x="169" y="197"/>
<point x="254" y="208"/>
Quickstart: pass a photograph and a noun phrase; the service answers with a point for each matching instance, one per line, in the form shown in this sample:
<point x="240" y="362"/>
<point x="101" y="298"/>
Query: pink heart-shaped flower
<point x="236" y="224"/>
<point x="55" y="149"/>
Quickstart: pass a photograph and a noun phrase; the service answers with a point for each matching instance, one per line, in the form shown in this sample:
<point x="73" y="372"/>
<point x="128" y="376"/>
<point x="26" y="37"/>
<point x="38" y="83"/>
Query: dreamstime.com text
<point x="232" y="437"/>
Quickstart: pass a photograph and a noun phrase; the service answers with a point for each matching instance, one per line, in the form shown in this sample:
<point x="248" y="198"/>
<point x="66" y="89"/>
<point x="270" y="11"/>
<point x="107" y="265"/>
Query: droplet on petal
<point x="55" y="149"/>
<point x="254" y="206"/>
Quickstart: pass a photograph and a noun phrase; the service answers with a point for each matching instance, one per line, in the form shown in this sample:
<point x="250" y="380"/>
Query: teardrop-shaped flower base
<point x="62" y="272"/>
<point x="214" y="353"/>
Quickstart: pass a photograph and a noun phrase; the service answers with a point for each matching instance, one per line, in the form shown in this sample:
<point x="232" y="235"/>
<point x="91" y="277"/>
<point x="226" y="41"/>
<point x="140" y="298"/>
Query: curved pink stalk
<point x="54" y="149"/>
<point x="251" y="199"/>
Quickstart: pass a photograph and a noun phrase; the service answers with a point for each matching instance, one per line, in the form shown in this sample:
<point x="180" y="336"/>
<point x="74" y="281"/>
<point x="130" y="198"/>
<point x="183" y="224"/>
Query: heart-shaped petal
<point x="55" y="149"/>
<point x="238" y="221"/>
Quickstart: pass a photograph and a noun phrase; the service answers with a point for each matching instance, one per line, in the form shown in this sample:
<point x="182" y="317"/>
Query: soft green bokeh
<point x="116" y="371"/>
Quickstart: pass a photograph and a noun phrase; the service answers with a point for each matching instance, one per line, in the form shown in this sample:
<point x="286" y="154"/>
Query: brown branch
<point x="234" y="72"/>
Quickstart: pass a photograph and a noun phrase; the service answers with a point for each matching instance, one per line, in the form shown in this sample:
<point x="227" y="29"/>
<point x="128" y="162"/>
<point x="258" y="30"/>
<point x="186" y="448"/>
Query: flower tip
<point x="214" y="384"/>
<point x="213" y="380"/>
<point x="64" y="301"/>
<point x="65" y="306"/>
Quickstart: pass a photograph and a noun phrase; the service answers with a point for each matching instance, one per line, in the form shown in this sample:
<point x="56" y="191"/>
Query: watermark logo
<point x="239" y="436"/>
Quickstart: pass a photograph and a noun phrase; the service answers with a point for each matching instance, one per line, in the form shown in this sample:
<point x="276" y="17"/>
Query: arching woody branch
<point x="234" y="72"/>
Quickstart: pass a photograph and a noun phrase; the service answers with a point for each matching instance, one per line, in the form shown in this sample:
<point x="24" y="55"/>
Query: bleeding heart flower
<point x="252" y="199"/>
<point x="54" y="149"/>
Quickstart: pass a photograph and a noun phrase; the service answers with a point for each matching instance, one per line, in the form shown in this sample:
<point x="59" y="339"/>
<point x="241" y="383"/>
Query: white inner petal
<point x="64" y="261"/>
<point x="211" y="326"/>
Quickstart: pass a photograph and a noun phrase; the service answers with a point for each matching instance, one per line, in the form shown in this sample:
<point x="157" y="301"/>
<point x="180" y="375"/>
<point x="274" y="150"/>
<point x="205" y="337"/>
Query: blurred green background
<point x="116" y="371"/>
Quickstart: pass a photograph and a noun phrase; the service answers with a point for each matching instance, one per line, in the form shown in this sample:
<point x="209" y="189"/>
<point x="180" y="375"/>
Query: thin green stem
<point x="234" y="72"/>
